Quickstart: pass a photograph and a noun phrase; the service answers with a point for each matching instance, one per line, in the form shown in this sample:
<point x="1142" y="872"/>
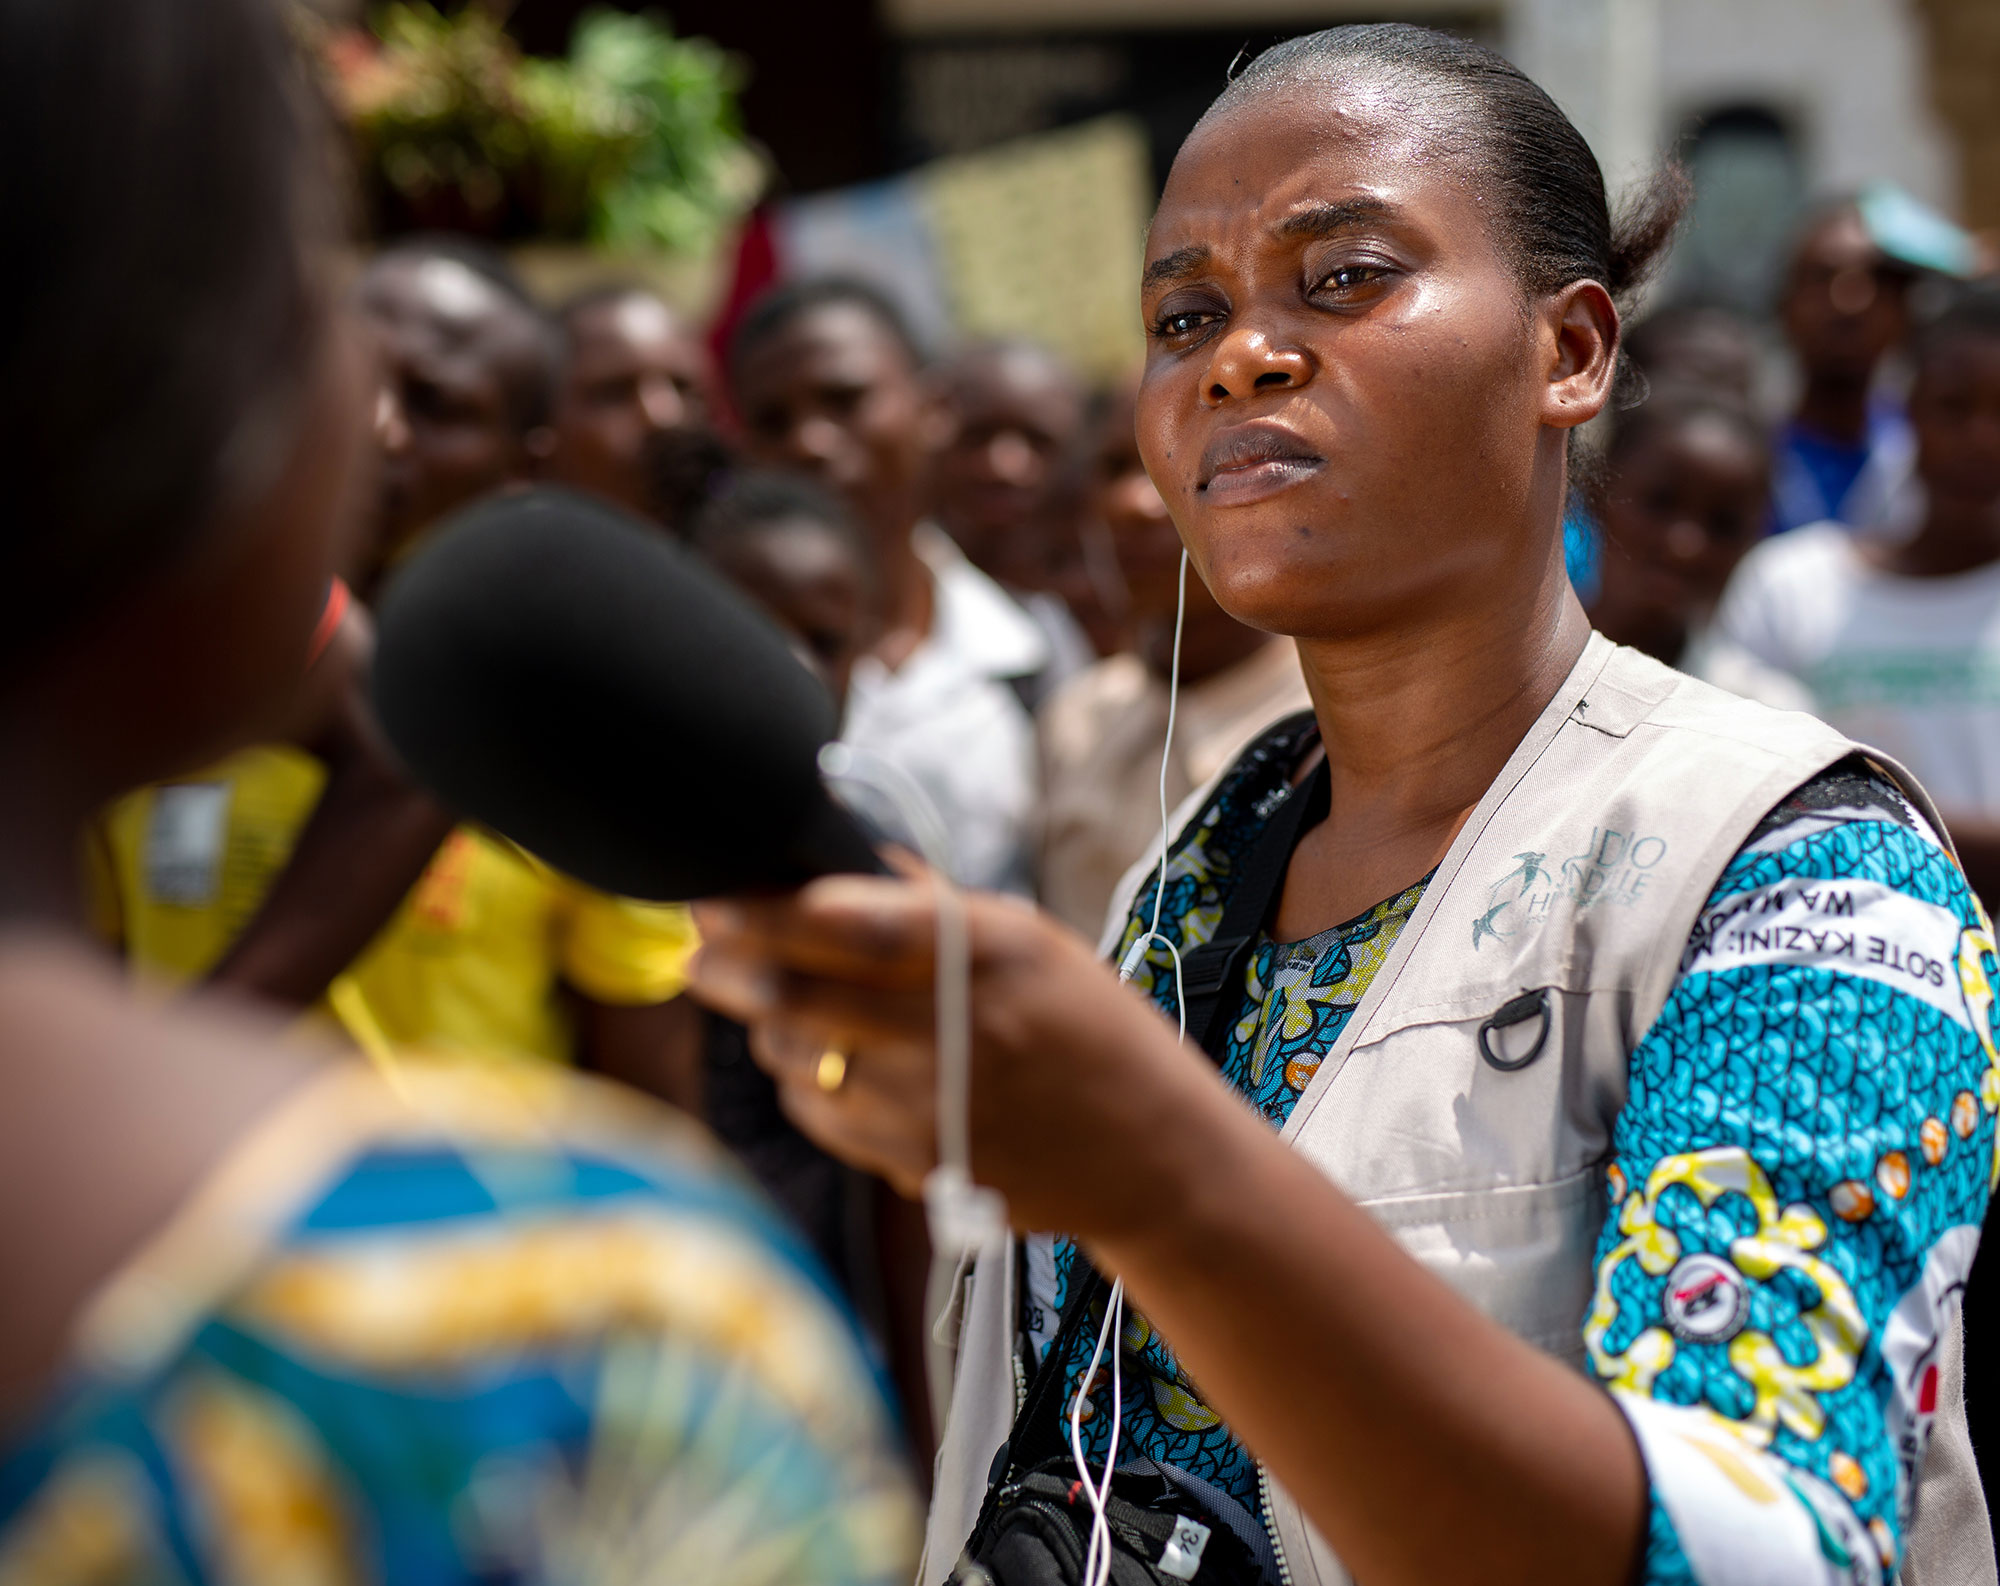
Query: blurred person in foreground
<point x="1012" y="412"/>
<point x="1103" y="733"/>
<point x="1900" y="644"/>
<point x="1687" y="492"/>
<point x="828" y="381"/>
<point x="634" y="394"/>
<point x="489" y="950"/>
<point x="271" y="1314"/>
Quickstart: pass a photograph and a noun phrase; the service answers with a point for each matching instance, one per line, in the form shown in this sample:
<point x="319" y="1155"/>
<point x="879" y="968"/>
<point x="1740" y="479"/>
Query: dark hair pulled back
<point x="167" y="200"/>
<point x="1552" y="219"/>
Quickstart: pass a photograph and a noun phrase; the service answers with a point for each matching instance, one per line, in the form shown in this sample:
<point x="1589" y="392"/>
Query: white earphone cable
<point x="1097" y="1560"/>
<point x="963" y="1215"/>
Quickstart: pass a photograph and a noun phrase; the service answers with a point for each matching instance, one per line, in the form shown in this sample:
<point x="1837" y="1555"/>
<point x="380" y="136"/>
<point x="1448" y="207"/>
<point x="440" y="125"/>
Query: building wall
<point x="1848" y="77"/>
<point x="1965" y="75"/>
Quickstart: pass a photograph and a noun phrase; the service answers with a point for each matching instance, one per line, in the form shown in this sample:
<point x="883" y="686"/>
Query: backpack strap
<point x="1212" y="974"/>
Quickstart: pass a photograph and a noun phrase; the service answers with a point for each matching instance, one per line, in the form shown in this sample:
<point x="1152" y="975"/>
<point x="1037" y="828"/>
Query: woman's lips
<point x="1252" y="462"/>
<point x="1238" y="487"/>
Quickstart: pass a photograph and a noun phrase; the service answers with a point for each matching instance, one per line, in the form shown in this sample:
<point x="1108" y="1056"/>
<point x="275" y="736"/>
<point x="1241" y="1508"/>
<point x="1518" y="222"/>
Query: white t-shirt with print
<point x="1908" y="665"/>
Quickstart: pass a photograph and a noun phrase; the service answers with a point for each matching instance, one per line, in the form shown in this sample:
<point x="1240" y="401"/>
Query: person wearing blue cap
<point x="1846" y="454"/>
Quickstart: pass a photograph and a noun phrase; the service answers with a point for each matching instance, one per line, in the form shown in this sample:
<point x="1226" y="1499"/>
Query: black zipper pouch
<point x="1038" y="1534"/>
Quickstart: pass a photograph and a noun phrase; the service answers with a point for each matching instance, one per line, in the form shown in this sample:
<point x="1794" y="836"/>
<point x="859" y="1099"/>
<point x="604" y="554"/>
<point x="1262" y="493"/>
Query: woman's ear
<point x="1582" y="340"/>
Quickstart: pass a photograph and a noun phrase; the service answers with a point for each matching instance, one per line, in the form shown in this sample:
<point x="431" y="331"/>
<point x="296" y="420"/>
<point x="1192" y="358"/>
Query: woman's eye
<point x="1348" y="276"/>
<point x="1185" y="323"/>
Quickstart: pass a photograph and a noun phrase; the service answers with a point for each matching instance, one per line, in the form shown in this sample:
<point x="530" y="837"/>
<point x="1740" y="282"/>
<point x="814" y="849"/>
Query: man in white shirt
<point x="827" y="381"/>
<point x="1014" y="413"/>
<point x="1899" y="644"/>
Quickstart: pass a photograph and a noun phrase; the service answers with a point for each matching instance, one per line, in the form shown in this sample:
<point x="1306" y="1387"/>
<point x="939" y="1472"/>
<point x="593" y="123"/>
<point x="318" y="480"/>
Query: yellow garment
<point x="471" y="959"/>
<point x="177" y="870"/>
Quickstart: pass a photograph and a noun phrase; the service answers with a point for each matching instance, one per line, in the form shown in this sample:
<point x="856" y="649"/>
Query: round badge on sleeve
<point x="1707" y="1300"/>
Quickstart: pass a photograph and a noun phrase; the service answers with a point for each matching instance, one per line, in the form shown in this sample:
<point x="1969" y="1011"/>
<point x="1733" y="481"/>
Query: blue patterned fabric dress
<point x="493" y="1325"/>
<point x="1798" y="1178"/>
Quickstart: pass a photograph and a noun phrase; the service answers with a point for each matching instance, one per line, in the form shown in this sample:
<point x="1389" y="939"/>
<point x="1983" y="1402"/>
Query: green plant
<point x="633" y="141"/>
<point x="643" y="127"/>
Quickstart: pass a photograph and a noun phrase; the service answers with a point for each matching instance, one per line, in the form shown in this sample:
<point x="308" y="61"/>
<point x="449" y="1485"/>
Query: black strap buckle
<point x="1206" y="970"/>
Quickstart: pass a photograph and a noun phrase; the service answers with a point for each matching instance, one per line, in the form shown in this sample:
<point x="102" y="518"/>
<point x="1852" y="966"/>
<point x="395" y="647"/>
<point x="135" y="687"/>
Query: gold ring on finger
<point x="830" y="1072"/>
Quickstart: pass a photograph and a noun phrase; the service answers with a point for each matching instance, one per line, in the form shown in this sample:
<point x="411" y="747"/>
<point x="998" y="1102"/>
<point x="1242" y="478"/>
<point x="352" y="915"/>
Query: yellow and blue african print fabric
<point x="1298" y="998"/>
<point x="1799" y="1174"/>
<point x="502" y="1326"/>
<point x="1800" y="1171"/>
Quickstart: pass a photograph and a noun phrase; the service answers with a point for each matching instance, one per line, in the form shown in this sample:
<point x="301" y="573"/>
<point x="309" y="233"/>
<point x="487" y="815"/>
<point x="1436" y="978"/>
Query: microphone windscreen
<point x="581" y="684"/>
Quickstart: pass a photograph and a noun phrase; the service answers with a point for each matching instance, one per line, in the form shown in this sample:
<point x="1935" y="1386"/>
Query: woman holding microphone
<point x="1545" y="1009"/>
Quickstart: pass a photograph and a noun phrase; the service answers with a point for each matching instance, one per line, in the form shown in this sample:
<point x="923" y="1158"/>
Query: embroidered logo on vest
<point x="1615" y="868"/>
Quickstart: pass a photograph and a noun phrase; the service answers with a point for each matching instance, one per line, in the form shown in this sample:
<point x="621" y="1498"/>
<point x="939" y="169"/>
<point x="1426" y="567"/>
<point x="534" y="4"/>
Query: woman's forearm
<point x="1426" y="1442"/>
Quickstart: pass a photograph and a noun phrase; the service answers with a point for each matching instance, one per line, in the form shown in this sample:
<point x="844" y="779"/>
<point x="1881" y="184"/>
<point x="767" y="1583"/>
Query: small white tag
<point x="1182" y="1556"/>
<point x="184" y="838"/>
<point x="963" y="1216"/>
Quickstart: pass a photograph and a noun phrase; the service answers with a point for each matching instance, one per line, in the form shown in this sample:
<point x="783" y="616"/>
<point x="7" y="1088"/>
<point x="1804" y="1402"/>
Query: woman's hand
<point x="1082" y="1098"/>
<point x="1399" y="1425"/>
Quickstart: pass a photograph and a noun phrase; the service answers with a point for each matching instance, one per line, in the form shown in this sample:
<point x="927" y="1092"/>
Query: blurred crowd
<point x="965" y="546"/>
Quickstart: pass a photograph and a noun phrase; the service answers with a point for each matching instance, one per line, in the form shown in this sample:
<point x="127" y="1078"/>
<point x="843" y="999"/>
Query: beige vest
<point x="1631" y="792"/>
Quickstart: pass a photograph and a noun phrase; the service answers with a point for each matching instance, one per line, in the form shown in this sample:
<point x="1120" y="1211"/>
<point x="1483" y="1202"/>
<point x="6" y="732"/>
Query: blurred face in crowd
<point x="456" y="354"/>
<point x="806" y="575"/>
<point x="1708" y="348"/>
<point x="1143" y="536"/>
<point x="1148" y="551"/>
<point x="1688" y="497"/>
<point x="833" y="394"/>
<point x="1845" y="303"/>
<point x="1083" y="569"/>
<point x="633" y="373"/>
<point x="1331" y="322"/>
<point x="1955" y="410"/>
<point x="1009" y="414"/>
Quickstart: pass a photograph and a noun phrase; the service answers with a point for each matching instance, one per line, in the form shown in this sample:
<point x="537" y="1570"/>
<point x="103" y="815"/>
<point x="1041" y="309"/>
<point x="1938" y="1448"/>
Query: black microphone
<point x="575" y="680"/>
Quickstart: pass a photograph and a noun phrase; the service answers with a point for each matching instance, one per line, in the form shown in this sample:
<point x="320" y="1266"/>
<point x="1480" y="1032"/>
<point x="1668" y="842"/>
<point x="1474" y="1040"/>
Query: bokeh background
<point x="993" y="161"/>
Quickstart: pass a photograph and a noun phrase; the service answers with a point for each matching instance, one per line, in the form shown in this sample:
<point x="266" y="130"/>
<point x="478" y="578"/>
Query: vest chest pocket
<point x="1478" y="1138"/>
<point x="1472" y="1103"/>
<point x="1520" y="1253"/>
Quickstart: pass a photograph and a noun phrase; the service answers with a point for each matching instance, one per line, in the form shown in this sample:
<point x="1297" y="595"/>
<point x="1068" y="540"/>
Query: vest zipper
<point x="1271" y="1525"/>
